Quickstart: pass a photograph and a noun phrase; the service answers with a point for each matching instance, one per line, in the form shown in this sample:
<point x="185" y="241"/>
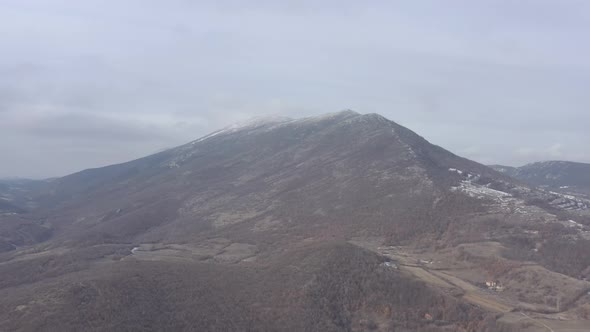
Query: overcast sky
<point x="90" y="83"/>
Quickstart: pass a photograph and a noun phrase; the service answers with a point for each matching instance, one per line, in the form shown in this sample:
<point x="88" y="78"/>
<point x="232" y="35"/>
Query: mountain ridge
<point x="329" y="212"/>
<point x="556" y="174"/>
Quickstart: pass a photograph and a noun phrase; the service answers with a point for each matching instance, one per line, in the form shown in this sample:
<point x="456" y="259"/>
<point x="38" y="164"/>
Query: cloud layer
<point x="89" y="83"/>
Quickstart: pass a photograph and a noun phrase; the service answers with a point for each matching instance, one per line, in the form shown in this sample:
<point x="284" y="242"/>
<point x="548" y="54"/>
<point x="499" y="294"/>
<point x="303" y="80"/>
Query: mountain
<point x="567" y="175"/>
<point x="265" y="178"/>
<point x="338" y="222"/>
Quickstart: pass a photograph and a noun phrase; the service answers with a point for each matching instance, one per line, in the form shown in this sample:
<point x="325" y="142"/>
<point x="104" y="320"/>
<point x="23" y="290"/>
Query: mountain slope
<point x="288" y="175"/>
<point x="336" y="219"/>
<point x="323" y="287"/>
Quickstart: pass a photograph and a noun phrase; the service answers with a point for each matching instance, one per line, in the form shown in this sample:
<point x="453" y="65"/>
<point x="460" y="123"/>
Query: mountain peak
<point x="341" y="115"/>
<point x="346" y="112"/>
<point x="260" y="121"/>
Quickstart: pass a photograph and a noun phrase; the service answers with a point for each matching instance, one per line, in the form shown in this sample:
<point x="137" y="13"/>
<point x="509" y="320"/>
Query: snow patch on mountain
<point x="253" y="123"/>
<point x="460" y="172"/>
<point x="484" y="192"/>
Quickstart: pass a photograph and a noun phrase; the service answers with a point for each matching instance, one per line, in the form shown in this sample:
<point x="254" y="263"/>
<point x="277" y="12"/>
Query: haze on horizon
<point x="87" y="84"/>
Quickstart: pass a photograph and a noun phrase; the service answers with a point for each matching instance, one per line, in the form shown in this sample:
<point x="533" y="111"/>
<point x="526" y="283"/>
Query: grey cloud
<point x="88" y="127"/>
<point x="484" y="79"/>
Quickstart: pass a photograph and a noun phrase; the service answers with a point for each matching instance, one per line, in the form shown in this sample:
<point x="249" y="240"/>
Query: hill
<point x="338" y="222"/>
<point x="552" y="174"/>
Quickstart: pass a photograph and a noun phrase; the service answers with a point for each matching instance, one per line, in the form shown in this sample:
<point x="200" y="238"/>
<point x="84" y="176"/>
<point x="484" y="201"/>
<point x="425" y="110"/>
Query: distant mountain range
<point x="565" y="175"/>
<point x="341" y="222"/>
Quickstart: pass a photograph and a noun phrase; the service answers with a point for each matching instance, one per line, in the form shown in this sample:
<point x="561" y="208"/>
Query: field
<point x="515" y="303"/>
